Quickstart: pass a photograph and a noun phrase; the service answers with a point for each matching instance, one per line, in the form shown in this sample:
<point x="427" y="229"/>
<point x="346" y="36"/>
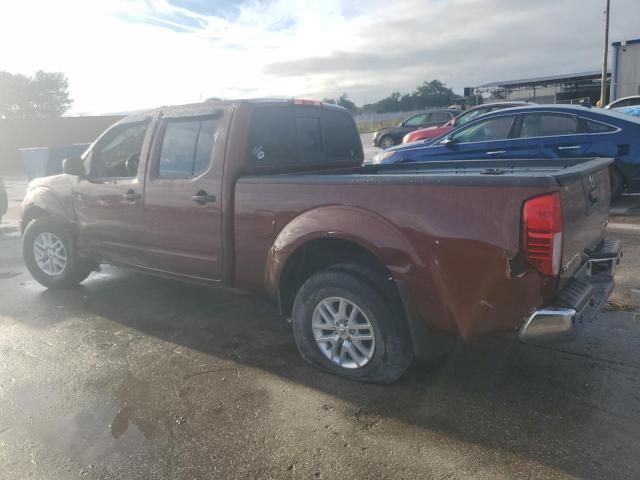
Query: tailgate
<point x="585" y="208"/>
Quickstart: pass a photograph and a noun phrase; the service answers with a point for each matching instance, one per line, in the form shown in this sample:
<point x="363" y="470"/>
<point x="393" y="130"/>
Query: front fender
<point x="44" y="201"/>
<point x="359" y="226"/>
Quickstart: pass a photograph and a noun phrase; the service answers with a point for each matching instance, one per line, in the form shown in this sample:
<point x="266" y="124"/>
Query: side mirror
<point x="448" y="141"/>
<point x="73" y="166"/>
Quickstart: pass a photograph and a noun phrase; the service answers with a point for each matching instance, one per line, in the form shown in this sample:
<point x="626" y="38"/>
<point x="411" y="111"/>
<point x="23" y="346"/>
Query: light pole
<point x="603" y="86"/>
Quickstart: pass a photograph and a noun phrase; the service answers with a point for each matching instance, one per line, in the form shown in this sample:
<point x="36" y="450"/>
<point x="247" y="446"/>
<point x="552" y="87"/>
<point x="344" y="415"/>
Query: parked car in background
<point x="633" y="111"/>
<point x="625" y="102"/>
<point x="371" y="265"/>
<point x="547" y="131"/>
<point x="388" y="137"/>
<point x="4" y="201"/>
<point x="437" y="131"/>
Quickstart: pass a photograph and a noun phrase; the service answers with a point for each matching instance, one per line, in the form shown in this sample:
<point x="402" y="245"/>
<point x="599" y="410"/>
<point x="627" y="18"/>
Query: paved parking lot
<point x="136" y="377"/>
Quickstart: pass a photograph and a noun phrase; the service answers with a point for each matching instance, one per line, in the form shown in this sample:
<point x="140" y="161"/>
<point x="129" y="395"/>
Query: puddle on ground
<point x="88" y="435"/>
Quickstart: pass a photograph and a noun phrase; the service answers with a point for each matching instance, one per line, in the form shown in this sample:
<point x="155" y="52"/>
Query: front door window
<point x="117" y="154"/>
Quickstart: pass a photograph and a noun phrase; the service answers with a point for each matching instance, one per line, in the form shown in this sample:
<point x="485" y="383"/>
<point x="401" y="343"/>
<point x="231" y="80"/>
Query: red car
<point x="434" y="132"/>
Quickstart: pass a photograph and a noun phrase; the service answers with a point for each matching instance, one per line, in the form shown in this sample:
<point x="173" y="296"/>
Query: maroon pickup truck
<point x="373" y="265"/>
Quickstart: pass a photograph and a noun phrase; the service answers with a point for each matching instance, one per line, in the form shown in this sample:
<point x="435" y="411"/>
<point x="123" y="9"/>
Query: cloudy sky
<point x="130" y="54"/>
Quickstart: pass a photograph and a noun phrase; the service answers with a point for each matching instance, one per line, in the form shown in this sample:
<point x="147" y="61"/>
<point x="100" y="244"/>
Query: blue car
<point x="541" y="131"/>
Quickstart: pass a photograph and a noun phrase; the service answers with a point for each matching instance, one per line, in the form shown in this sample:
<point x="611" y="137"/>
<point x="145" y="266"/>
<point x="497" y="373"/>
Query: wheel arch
<point x="42" y="202"/>
<point x="331" y="235"/>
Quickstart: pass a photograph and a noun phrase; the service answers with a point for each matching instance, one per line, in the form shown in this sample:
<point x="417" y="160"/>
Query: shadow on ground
<point x="568" y="407"/>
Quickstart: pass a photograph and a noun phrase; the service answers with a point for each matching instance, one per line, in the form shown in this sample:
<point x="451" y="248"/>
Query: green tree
<point x="344" y="101"/>
<point x="46" y="94"/>
<point x="433" y="94"/>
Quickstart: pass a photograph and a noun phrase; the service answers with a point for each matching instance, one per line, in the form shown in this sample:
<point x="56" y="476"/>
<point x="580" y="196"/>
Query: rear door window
<point x="187" y="146"/>
<point x="548" y="125"/>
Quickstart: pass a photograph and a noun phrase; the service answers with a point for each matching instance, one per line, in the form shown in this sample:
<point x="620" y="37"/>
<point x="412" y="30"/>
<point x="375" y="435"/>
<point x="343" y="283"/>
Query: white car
<point x="625" y="102"/>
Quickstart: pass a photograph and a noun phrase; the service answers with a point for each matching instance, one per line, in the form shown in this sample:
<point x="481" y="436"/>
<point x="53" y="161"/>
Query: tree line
<point x="429" y="94"/>
<point x="45" y="94"/>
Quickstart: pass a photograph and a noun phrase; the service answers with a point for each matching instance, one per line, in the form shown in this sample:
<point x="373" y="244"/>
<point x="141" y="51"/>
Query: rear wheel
<point x="50" y="255"/>
<point x="387" y="142"/>
<point x="344" y="325"/>
<point x="617" y="182"/>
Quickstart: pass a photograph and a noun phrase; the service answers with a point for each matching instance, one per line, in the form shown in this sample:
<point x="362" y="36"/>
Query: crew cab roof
<point x="213" y="107"/>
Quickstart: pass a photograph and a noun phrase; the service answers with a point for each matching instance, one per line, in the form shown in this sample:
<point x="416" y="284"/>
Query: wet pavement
<point x="134" y="377"/>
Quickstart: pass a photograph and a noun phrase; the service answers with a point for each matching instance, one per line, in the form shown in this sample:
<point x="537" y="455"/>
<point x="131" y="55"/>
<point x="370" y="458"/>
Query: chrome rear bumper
<point x="580" y="300"/>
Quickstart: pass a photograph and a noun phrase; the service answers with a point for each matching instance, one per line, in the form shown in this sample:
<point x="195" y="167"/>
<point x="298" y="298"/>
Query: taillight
<point x="542" y="223"/>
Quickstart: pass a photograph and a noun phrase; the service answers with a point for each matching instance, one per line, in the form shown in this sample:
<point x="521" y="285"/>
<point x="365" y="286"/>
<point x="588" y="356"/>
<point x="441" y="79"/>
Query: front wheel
<point x="50" y="255"/>
<point x="343" y="325"/>
<point x="387" y="142"/>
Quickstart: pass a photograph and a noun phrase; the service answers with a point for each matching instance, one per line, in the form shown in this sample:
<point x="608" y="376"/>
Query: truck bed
<point x="460" y="223"/>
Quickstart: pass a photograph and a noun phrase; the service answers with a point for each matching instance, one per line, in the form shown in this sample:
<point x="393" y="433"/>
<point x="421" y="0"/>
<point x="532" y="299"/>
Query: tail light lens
<point x="542" y="220"/>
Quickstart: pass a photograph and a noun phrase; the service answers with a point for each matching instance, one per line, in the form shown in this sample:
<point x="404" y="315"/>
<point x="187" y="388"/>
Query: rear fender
<point x="359" y="226"/>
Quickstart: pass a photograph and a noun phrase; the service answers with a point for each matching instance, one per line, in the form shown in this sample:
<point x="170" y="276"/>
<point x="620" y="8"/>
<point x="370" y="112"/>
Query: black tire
<point x="616" y="180"/>
<point x="76" y="270"/>
<point x="387" y="141"/>
<point x="392" y="353"/>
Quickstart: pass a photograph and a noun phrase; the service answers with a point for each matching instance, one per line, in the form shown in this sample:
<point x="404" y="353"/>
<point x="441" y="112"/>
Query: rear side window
<point x="301" y="135"/>
<point x="597" y="127"/>
<point x="548" y="125"/>
<point x="186" y="147"/>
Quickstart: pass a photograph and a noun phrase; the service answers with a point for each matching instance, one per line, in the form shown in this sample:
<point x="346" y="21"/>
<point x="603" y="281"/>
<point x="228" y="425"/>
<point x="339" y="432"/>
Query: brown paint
<point x="453" y="244"/>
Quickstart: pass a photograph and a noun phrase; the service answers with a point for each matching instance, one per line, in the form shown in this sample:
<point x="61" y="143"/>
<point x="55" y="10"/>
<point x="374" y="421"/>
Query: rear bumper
<point x="579" y="301"/>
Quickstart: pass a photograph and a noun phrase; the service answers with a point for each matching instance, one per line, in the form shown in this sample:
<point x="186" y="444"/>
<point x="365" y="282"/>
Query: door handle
<point x="202" y="198"/>
<point x="131" y="196"/>
<point x="572" y="147"/>
<point x="496" y="152"/>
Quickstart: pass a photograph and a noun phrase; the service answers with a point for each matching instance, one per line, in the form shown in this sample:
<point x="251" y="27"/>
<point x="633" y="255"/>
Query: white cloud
<point x="133" y="54"/>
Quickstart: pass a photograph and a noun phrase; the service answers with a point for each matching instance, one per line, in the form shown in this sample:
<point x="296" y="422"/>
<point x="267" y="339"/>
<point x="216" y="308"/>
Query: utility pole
<point x="603" y="86"/>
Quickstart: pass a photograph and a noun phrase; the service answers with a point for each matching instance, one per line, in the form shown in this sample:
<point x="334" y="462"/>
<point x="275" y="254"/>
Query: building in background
<point x="569" y="88"/>
<point x="625" y="69"/>
<point x="20" y="133"/>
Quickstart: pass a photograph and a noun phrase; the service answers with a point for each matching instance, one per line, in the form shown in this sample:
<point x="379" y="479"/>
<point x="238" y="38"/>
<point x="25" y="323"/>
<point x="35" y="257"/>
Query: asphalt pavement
<point x="134" y="377"/>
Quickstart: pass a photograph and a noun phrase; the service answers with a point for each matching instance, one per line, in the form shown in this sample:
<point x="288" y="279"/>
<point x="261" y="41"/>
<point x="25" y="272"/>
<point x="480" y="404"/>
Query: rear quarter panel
<point x="453" y="245"/>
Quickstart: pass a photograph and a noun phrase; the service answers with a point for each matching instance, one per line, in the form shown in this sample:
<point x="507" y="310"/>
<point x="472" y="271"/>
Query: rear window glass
<point x="304" y="135"/>
<point x="341" y="139"/>
<point x="309" y="139"/>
